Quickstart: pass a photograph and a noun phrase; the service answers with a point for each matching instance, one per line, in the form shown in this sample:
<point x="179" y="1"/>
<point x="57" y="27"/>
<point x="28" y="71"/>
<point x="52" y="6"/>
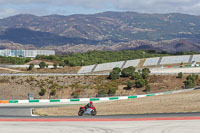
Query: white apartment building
<point x="26" y="53"/>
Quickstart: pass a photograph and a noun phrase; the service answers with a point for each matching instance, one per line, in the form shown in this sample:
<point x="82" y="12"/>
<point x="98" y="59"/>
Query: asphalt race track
<point x="147" y="123"/>
<point x="23" y="110"/>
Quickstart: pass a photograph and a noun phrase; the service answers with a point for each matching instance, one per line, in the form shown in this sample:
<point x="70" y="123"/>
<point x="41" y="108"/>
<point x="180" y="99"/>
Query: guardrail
<point x="52" y="74"/>
<point x="24" y="66"/>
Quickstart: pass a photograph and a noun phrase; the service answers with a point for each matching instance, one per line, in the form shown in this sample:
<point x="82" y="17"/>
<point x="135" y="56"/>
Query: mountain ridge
<point x="103" y="29"/>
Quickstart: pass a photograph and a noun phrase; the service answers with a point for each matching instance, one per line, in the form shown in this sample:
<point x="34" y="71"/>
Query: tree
<point x="136" y="76"/>
<point x="117" y="69"/>
<point x="164" y="52"/>
<point x="62" y="64"/>
<point x="97" y="57"/>
<point x="130" y="85"/>
<point x="146" y="81"/>
<point x="127" y="72"/>
<point x="146" y="70"/>
<point x="54" y="65"/>
<point x="31" y="66"/>
<point x="145" y="73"/>
<point x="42" y="64"/>
<point x="139" y="83"/>
<point x="139" y="71"/>
<point x="151" y="51"/>
<point x="115" y="74"/>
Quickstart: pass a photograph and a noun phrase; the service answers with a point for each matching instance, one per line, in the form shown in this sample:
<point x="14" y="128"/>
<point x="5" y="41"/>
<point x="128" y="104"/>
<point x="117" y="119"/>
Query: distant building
<point x="26" y="53"/>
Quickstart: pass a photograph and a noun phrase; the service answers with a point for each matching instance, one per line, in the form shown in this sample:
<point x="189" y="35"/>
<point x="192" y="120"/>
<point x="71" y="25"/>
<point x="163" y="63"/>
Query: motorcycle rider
<point x="88" y="109"/>
<point x="89" y="105"/>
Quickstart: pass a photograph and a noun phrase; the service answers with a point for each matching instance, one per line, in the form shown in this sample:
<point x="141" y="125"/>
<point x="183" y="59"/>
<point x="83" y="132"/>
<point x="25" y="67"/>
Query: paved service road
<point x="189" y="126"/>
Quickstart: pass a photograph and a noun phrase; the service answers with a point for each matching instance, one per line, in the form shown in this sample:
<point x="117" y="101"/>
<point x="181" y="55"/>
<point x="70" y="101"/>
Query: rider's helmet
<point x="91" y="102"/>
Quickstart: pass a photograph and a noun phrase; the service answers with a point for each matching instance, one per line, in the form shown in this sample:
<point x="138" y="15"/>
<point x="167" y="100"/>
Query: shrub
<point x="42" y="65"/>
<point x="127" y="72"/>
<point x="75" y="94"/>
<point x="42" y="92"/>
<point x="102" y="92"/>
<point x="146" y="82"/>
<point x="112" y="91"/>
<point x="54" y="65"/>
<point x="31" y="66"/>
<point x="130" y="84"/>
<point x="180" y="75"/>
<point x="189" y="83"/>
<point x="148" y="88"/>
<point x="192" y="77"/>
<point x="53" y="92"/>
<point x="139" y="83"/>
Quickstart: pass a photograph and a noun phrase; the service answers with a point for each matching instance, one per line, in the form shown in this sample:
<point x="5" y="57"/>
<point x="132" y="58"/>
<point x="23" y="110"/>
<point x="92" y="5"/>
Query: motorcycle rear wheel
<point x="80" y="113"/>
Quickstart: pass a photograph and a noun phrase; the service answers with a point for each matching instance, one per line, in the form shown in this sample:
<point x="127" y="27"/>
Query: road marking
<point x="4" y="101"/>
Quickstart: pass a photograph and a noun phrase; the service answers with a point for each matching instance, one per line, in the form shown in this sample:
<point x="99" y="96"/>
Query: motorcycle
<point x="89" y="111"/>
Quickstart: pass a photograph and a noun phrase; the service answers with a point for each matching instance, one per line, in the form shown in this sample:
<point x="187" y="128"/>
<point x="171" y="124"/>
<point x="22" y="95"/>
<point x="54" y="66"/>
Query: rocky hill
<point x="104" y="31"/>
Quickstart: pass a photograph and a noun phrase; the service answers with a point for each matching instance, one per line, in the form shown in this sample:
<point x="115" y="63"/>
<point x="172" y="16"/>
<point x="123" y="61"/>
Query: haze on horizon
<point x="68" y="7"/>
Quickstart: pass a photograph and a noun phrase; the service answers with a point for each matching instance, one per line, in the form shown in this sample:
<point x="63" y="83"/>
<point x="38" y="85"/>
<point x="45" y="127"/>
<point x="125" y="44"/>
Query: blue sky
<point x="68" y="7"/>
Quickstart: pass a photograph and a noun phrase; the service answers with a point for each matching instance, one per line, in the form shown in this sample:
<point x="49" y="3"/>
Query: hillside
<point x="103" y="31"/>
<point x="16" y="87"/>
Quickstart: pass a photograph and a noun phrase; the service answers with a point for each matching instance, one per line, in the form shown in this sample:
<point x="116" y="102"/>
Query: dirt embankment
<point x="16" y="87"/>
<point x="66" y="69"/>
<point x="179" y="102"/>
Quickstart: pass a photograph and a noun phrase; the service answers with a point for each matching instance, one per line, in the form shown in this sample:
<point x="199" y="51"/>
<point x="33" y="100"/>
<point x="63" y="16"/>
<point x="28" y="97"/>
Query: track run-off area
<point x="152" y="123"/>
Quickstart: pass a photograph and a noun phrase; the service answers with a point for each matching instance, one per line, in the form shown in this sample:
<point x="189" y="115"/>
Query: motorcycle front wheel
<point x="80" y="113"/>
